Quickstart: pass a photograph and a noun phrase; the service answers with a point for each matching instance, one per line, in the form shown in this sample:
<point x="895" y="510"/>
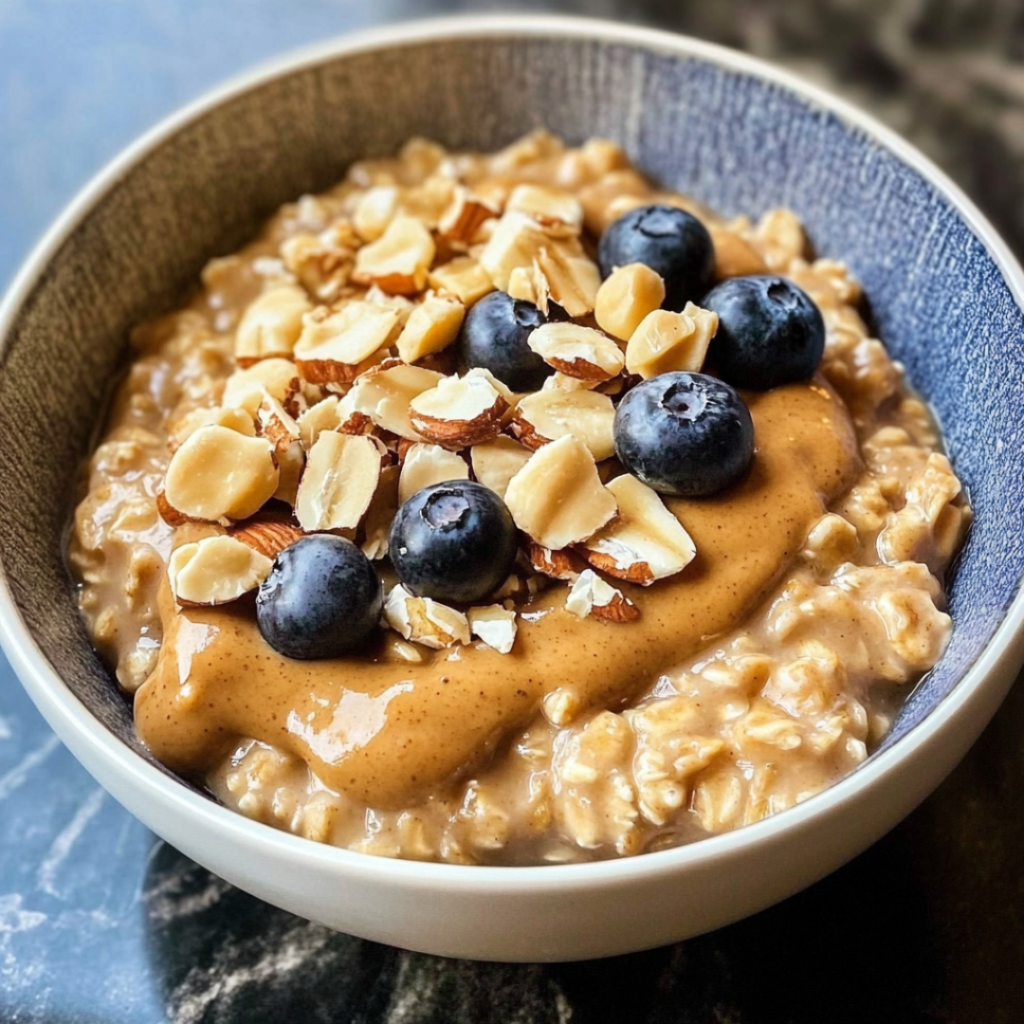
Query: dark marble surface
<point x="101" y="923"/>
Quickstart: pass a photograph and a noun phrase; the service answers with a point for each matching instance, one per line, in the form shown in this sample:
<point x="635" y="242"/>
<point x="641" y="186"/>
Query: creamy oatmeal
<point x="748" y="649"/>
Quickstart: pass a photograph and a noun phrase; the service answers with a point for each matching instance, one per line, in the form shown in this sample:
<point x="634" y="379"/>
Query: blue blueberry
<point x="670" y="241"/>
<point x="494" y="335"/>
<point x="685" y="434"/>
<point x="769" y="332"/>
<point x="322" y="599"/>
<point x="453" y="541"/>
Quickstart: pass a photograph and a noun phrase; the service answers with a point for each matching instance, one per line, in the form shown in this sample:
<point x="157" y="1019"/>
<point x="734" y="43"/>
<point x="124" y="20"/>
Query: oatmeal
<point x="653" y="661"/>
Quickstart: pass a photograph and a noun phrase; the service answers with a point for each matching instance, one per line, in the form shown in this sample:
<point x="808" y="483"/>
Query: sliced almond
<point x="495" y="462"/>
<point x="276" y="424"/>
<point x="338" y="482"/>
<point x="433" y="325"/>
<point x="170" y="515"/>
<point x="557" y="498"/>
<point x="385" y="393"/>
<point x="645" y="542"/>
<point x="573" y="278"/>
<point x="551" y="208"/>
<point x="325" y="415"/>
<point x="398" y="261"/>
<point x="591" y="595"/>
<point x="215" y="570"/>
<point x="552" y="413"/>
<point x="462" y="277"/>
<point x="577" y="351"/>
<point x="234" y="419"/>
<point x="381" y="514"/>
<point x="426" y="464"/>
<point x="460" y="411"/>
<point x="335" y="345"/>
<point x="464" y="216"/>
<point x="279" y="378"/>
<point x="322" y="263"/>
<point x="625" y="297"/>
<point x="667" y="341"/>
<point x="268" y="533"/>
<point x="495" y="625"/>
<point x="218" y="474"/>
<point x="559" y="565"/>
<point x="271" y="325"/>
<point x="424" y="620"/>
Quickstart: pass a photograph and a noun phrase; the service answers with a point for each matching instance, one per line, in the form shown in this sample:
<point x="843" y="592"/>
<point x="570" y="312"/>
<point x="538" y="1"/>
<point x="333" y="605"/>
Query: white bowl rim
<point x="78" y="727"/>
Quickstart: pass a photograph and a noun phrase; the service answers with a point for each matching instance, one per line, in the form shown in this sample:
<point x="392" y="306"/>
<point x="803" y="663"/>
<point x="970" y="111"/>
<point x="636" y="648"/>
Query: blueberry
<point x="494" y="335"/>
<point x="670" y="241"/>
<point x="769" y="332"/>
<point x="686" y="434"/>
<point x="453" y="541"/>
<point x="322" y="599"/>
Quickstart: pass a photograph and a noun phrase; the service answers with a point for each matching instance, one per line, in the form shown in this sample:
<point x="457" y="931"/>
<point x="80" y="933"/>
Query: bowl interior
<point x="737" y="142"/>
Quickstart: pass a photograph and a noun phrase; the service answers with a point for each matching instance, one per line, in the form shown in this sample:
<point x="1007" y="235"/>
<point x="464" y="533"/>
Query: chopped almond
<point x="625" y="297"/>
<point x="559" y="565"/>
<point x="215" y="570"/>
<point x="433" y="325"/>
<point x="573" y="278"/>
<point x="460" y="411"/>
<point x="398" y="261"/>
<point x="385" y="394"/>
<point x="426" y="464"/>
<point x="530" y="285"/>
<point x="734" y="257"/>
<point x="551" y="208"/>
<point x="279" y="378"/>
<point x="267" y="532"/>
<point x="271" y="325"/>
<point x="577" y="351"/>
<point x="645" y="542"/>
<point x="338" y="482"/>
<point x="334" y="347"/>
<point x="557" y="498"/>
<point x="462" y="277"/>
<point x="495" y="625"/>
<point x="465" y="215"/>
<point x="495" y="462"/>
<point x="667" y="341"/>
<point x="234" y="419"/>
<point x="424" y="620"/>
<point x="374" y="211"/>
<point x="277" y="425"/>
<point x="591" y="595"/>
<point x="381" y="514"/>
<point x="549" y="414"/>
<point x="218" y="474"/>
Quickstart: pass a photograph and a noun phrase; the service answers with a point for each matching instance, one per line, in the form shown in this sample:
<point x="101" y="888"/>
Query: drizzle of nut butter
<point x="386" y="733"/>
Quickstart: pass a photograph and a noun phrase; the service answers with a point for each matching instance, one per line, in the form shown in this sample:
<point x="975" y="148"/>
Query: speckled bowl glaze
<point x="945" y="292"/>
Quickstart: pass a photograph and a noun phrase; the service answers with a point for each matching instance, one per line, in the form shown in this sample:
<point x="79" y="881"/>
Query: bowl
<point x="742" y="137"/>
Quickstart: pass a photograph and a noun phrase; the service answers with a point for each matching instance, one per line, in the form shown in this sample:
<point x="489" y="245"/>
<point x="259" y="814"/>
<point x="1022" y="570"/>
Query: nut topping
<point x="432" y="325"/>
<point x="335" y="345"/>
<point x="426" y="464"/>
<point x="218" y="474"/>
<point x="577" y="351"/>
<point x="552" y="413"/>
<point x="559" y="565"/>
<point x="338" y="482"/>
<point x="234" y="419"/>
<point x="460" y="411"/>
<point x="495" y="625"/>
<point x="557" y="497"/>
<point x="667" y="341"/>
<point x="553" y="209"/>
<point x="268" y="533"/>
<point x="271" y="325"/>
<point x="215" y="570"/>
<point x="591" y="595"/>
<point x="399" y="260"/>
<point x="462" y="277"/>
<point x="276" y="425"/>
<point x="495" y="462"/>
<point x="625" y="297"/>
<point x="279" y="378"/>
<point x="380" y="514"/>
<point x="464" y="217"/>
<point x="645" y="542"/>
<point x="384" y="395"/>
<point x="425" y="621"/>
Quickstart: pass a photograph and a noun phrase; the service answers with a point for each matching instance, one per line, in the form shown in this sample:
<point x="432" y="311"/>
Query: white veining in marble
<point x="21" y="772"/>
<point x="64" y="842"/>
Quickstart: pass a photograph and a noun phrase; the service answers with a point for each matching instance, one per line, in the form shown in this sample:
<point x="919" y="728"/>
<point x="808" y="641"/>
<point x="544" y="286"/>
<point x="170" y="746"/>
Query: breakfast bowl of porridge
<point x="516" y="488"/>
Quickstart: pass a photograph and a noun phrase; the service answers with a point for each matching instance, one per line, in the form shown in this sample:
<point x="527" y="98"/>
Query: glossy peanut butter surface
<point x="385" y="732"/>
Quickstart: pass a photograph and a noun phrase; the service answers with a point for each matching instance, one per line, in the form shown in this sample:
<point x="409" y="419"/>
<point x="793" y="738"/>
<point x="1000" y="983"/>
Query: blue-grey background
<point x="102" y="923"/>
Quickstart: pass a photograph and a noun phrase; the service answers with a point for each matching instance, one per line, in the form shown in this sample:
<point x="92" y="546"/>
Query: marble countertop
<point x="102" y="923"/>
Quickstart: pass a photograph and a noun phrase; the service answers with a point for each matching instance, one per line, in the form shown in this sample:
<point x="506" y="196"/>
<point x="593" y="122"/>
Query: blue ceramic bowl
<point x="742" y="137"/>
